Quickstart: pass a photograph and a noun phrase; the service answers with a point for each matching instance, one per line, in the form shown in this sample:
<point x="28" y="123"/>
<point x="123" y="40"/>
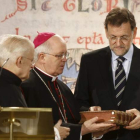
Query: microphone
<point x="3" y="65"/>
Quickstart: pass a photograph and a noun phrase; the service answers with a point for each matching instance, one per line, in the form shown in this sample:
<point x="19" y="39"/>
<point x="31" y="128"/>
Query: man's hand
<point x="106" y="130"/>
<point x="90" y="126"/>
<point x="63" y="131"/>
<point x="135" y="124"/>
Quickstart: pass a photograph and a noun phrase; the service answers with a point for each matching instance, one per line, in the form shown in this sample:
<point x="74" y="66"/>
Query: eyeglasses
<point x="123" y="39"/>
<point x="59" y="56"/>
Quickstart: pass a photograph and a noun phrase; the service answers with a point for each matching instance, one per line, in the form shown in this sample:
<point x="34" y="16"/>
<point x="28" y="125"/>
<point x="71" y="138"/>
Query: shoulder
<point x="136" y="49"/>
<point x="96" y="53"/>
<point x="136" y="53"/>
<point x="94" y="56"/>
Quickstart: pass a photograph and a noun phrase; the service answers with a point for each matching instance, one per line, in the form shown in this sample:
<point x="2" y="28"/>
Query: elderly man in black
<point x="16" y="56"/>
<point x="44" y="89"/>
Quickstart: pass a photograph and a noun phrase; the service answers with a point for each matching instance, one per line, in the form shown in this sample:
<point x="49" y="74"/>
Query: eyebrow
<point x="121" y="36"/>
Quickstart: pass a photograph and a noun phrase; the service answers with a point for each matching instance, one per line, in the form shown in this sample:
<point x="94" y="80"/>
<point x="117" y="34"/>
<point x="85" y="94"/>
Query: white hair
<point x="13" y="46"/>
<point x="45" y="47"/>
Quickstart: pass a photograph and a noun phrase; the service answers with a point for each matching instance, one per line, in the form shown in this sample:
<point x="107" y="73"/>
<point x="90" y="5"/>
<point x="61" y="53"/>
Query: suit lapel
<point x="106" y="72"/>
<point x="132" y="82"/>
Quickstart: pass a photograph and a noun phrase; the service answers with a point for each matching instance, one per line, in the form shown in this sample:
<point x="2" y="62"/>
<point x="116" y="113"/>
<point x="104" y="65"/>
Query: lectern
<point x="17" y="123"/>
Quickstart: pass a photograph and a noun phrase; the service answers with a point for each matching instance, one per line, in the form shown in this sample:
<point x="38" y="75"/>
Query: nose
<point x="118" y="41"/>
<point x="64" y="59"/>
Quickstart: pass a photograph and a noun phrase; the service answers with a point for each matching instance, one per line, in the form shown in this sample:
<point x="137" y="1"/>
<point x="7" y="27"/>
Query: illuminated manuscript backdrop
<point x="79" y="22"/>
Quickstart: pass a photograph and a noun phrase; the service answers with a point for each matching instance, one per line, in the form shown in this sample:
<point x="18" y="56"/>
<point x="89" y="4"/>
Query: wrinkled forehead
<point x="124" y="29"/>
<point x="58" y="44"/>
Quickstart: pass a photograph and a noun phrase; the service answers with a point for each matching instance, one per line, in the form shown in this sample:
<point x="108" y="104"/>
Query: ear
<point x="134" y="32"/>
<point x="41" y="57"/>
<point x="19" y="62"/>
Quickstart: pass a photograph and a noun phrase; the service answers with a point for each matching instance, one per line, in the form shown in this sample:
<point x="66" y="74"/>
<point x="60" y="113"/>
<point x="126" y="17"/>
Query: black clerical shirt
<point x="10" y="92"/>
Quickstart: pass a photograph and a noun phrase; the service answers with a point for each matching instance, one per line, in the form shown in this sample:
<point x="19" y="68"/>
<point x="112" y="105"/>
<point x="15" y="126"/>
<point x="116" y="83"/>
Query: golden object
<point x="17" y="123"/>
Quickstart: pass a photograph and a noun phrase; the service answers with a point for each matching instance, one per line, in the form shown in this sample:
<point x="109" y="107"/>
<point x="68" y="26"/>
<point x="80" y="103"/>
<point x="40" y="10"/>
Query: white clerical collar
<point x="128" y="55"/>
<point x="53" y="77"/>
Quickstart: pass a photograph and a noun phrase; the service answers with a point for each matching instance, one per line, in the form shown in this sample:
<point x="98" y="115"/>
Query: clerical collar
<point x="53" y="77"/>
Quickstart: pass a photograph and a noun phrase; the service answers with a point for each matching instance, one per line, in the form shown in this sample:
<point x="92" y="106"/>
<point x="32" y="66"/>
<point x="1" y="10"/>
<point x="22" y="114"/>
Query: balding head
<point x="51" y="55"/>
<point x="48" y="44"/>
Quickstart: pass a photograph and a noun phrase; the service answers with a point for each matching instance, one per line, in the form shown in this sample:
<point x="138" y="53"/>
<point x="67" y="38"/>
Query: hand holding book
<point x="109" y="116"/>
<point x="134" y="124"/>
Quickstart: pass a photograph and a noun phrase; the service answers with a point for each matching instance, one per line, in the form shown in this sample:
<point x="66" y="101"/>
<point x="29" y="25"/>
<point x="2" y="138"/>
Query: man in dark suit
<point x="110" y="77"/>
<point x="44" y="89"/>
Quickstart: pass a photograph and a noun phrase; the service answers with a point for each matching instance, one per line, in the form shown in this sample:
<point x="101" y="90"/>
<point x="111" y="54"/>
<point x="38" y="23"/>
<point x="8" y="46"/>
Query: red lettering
<point x="11" y="15"/>
<point x="80" y="40"/>
<point x="69" y="5"/>
<point x="97" y="39"/>
<point x="109" y="6"/>
<point x="5" y="19"/>
<point x="66" y="38"/>
<point x="136" y="39"/>
<point x="17" y="33"/>
<point x="27" y="36"/>
<point x="21" y="5"/>
<point x="17" y="29"/>
<point x="87" y="41"/>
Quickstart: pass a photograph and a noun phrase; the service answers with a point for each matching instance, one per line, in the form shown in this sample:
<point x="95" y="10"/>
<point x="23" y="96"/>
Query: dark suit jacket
<point x="95" y="87"/>
<point x="10" y="93"/>
<point x="37" y="95"/>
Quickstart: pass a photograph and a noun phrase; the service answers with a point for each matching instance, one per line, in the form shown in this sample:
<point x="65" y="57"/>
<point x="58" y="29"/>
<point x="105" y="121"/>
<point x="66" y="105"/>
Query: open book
<point x="108" y="116"/>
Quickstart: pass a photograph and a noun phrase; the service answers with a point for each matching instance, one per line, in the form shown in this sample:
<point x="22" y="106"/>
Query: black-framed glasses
<point x="59" y="56"/>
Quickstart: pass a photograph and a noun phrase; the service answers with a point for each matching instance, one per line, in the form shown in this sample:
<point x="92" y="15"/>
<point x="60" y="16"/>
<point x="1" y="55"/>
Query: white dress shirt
<point x="126" y="63"/>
